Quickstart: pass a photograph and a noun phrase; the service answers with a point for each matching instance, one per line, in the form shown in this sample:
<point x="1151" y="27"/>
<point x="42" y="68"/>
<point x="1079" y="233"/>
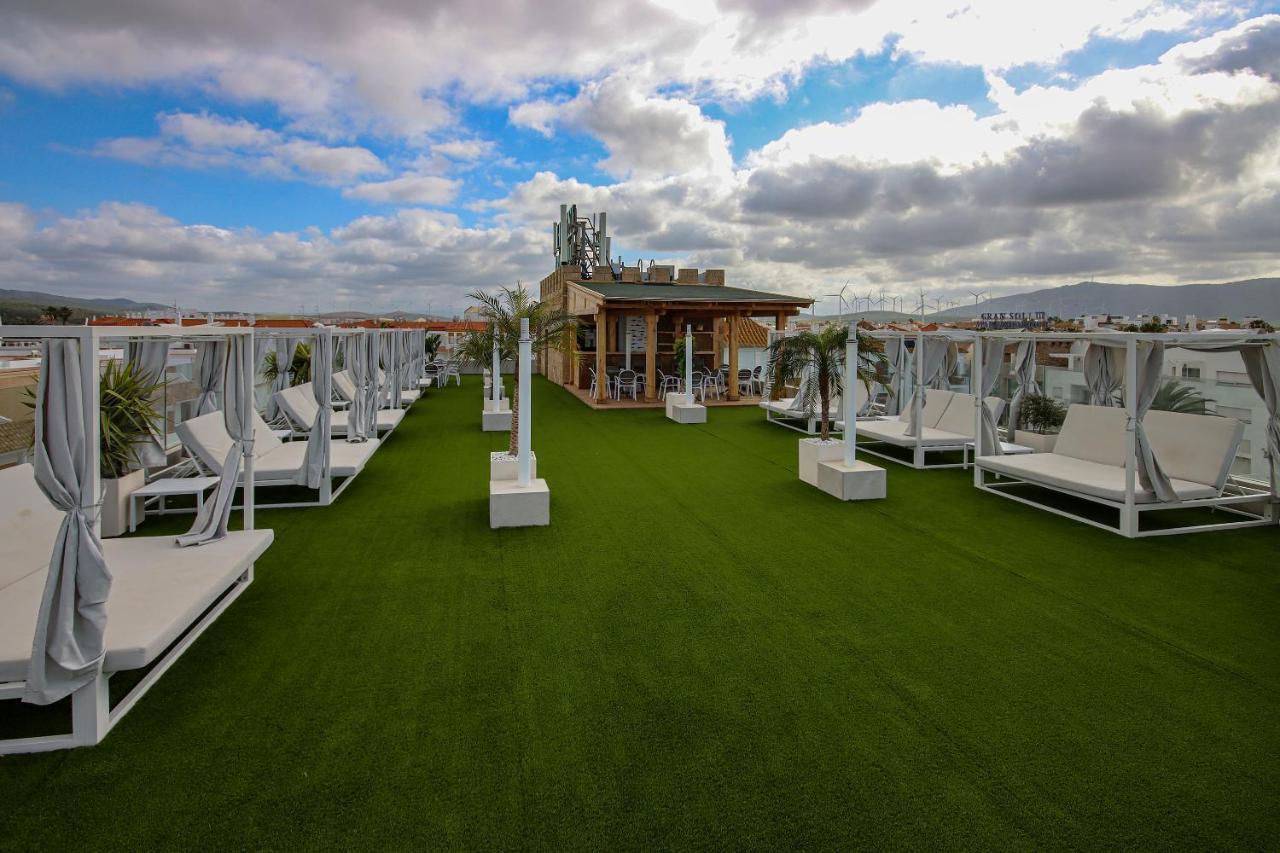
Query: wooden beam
<point x="651" y="357"/>
<point x="715" y="344"/>
<point x="733" y="357"/>
<point x="602" y="376"/>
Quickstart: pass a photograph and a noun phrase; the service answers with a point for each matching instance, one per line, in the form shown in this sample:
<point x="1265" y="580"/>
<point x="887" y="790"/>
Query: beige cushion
<point x="344" y="385"/>
<point x="935" y="405"/>
<point x="895" y="433"/>
<point x="1083" y="476"/>
<point x="1094" y="434"/>
<point x="1198" y="448"/>
<point x="299" y="404"/>
<point x="207" y="439"/>
<point x="158" y="590"/>
<point x="28" y="525"/>
<point x="346" y="459"/>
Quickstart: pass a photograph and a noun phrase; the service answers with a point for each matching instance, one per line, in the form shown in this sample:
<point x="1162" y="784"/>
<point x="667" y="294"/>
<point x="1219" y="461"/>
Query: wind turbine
<point x="977" y="294"/>
<point x="921" y="306"/>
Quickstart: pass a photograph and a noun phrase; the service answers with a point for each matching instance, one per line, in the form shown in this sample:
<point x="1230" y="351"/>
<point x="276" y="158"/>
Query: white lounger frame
<point x="92" y="716"/>
<point x="919" y="451"/>
<point x="1232" y="498"/>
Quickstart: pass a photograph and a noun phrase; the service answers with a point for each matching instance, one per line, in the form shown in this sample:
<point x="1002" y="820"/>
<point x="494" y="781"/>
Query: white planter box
<point x="860" y="482"/>
<point x="813" y="451"/>
<point x="511" y="505"/>
<point x="504" y="466"/>
<point x="1039" y="442"/>
<point x="503" y="405"/>
<point x="496" y="421"/>
<point x="115" y="501"/>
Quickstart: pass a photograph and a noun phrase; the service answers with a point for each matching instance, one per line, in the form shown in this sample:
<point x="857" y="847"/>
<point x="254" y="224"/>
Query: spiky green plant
<point x="431" y="345"/>
<point x="299" y="366"/>
<point x="550" y="328"/>
<point x="823" y="355"/>
<point x="1173" y="396"/>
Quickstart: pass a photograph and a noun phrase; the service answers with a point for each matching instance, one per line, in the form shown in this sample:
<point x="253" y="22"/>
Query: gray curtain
<point x="895" y="353"/>
<point x="991" y="355"/>
<point x="315" y="467"/>
<point x="386" y="385"/>
<point x="1150" y="366"/>
<point x="237" y="415"/>
<point x="1103" y="373"/>
<point x="148" y="357"/>
<point x="934" y="353"/>
<point x="942" y="381"/>
<point x="67" y="650"/>
<point x="1024" y="367"/>
<point x="211" y="357"/>
<point x="371" y="341"/>
<point x="284" y="358"/>
<point x="359" y="420"/>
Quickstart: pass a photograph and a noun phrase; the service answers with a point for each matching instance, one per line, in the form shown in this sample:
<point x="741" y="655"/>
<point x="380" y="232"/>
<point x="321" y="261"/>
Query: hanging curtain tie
<point x="89" y="511"/>
<point x="1131" y="424"/>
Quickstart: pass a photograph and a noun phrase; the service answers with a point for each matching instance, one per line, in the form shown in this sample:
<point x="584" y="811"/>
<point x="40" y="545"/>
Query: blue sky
<point x="142" y="151"/>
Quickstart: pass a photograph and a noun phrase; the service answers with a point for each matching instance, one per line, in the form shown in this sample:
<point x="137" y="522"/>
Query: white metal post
<point x="1129" y="516"/>
<point x="495" y="372"/>
<point x="917" y="401"/>
<point x="247" y="405"/>
<point x="850" y="398"/>
<point x="525" y="412"/>
<point x="90" y="388"/>
<point x="326" y="483"/>
<point x="976" y="386"/>
<point x="627" y="356"/>
<point x="688" y="360"/>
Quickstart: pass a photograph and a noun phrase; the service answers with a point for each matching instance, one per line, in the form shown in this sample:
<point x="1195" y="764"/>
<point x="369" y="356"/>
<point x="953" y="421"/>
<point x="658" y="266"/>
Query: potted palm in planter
<point x="550" y="327"/>
<point x="127" y="418"/>
<point x="1039" y="420"/>
<point x="820" y="356"/>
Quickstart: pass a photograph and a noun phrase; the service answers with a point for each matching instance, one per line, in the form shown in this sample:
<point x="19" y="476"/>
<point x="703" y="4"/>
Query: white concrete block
<point x="503" y="405"/>
<point x="511" y="505"/>
<point x="504" y="466"/>
<point x="694" y="413"/>
<point x="496" y="421"/>
<point x="673" y="400"/>
<point x="813" y="451"/>
<point x="861" y="482"/>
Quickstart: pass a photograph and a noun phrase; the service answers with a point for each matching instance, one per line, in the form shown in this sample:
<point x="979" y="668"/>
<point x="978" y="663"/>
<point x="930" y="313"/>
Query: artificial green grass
<point x="700" y="651"/>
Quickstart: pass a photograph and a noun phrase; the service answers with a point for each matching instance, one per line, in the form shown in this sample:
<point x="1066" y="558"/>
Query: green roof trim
<point x="685" y="292"/>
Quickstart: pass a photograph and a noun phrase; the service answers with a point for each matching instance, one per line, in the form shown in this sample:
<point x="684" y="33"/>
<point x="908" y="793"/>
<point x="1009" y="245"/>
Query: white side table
<point x="1006" y="447"/>
<point x="168" y="487"/>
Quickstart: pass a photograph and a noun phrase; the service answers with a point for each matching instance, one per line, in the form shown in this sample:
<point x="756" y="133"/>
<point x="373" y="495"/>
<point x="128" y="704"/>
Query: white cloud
<point x="407" y="189"/>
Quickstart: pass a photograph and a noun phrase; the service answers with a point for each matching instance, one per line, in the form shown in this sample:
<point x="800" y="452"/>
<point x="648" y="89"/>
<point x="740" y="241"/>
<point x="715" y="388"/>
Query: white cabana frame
<point x="1236" y="496"/>
<point x="928" y="439"/>
<point x="333" y="479"/>
<point x="133" y="561"/>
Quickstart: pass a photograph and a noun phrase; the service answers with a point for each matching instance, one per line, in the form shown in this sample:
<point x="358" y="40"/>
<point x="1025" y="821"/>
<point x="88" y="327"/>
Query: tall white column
<point x="525" y="411"/>
<point x="688" y="361"/>
<point x="496" y="373"/>
<point x="850" y="398"/>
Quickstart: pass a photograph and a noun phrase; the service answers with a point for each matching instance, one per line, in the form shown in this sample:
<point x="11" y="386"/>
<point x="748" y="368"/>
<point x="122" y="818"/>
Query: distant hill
<point x="1259" y="296"/>
<point x="35" y="297"/>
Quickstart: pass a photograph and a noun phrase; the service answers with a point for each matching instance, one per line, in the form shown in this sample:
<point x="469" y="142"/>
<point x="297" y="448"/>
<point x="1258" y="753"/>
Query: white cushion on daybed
<point x="935" y="405"/>
<point x="157" y="590"/>
<point x="1195" y="451"/>
<point x="789" y="407"/>
<point x="959" y="415"/>
<point x="207" y="438"/>
<point x="895" y="432"/>
<point x="345" y="386"/>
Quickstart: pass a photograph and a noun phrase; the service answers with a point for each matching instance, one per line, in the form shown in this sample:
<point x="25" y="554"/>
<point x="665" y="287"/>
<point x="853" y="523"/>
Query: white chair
<point x="627" y="380"/>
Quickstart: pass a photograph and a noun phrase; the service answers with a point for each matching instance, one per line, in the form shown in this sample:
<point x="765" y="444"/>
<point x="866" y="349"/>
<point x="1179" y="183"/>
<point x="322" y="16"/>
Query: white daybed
<point x="1088" y="461"/>
<point x="299" y="406"/>
<point x="346" y="388"/>
<point x="276" y="463"/>
<point x="789" y="412"/>
<point x="160" y="593"/>
<point x="947" y="424"/>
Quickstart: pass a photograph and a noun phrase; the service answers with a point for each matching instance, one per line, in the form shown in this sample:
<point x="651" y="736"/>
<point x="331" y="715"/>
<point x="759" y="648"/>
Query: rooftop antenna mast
<point x="583" y="242"/>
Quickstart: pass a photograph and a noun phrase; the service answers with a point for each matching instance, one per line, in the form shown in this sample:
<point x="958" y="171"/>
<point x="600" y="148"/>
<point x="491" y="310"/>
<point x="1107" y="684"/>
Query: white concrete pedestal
<point x="511" y="505"/>
<point x="682" y="409"/>
<point x="813" y="451"/>
<point x="503" y="405"/>
<point x="860" y="482"/>
<point x="504" y="466"/>
<point x="496" y="421"/>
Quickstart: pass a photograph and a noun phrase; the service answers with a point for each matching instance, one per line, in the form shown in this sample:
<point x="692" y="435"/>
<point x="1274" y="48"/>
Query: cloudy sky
<point x="399" y="153"/>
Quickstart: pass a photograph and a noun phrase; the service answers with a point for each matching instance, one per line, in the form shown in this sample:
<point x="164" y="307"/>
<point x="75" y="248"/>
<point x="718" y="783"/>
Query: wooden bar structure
<point x="612" y="313"/>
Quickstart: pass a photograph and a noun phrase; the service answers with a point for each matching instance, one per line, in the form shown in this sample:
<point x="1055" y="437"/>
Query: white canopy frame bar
<point x="919" y="450"/>
<point x="1256" y="505"/>
<point x="92" y="715"/>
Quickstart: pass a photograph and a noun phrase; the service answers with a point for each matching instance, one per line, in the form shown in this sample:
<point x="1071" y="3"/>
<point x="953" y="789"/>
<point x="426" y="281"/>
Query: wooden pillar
<point x="780" y="322"/>
<point x="571" y="360"/>
<point x="715" y="343"/>
<point x="733" y="357"/>
<point x="651" y="356"/>
<point x="602" y="376"/>
<point x="612" y="326"/>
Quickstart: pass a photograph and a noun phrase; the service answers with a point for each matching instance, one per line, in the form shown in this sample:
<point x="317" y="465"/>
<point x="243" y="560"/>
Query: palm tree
<point x="431" y="345"/>
<point x="299" y="368"/>
<point x="1173" y="396"/>
<point x="550" y="327"/>
<point x="822" y="355"/>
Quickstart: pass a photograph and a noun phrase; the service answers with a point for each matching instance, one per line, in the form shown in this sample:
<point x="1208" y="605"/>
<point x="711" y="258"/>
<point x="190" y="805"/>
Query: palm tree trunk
<point x="513" y="443"/>
<point x="822" y="399"/>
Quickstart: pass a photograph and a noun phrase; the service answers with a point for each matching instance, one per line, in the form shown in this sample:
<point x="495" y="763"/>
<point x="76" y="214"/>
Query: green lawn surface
<point x="700" y="651"/>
